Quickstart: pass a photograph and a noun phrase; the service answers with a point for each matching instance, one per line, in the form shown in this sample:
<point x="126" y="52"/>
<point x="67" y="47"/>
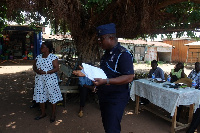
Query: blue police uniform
<point x="114" y="98"/>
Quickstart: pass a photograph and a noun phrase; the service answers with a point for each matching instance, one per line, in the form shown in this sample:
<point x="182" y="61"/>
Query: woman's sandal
<point x="80" y="114"/>
<point x="40" y="117"/>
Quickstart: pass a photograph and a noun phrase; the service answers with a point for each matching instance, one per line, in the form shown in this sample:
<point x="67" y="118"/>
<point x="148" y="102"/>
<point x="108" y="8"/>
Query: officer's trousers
<point x="111" y="113"/>
<point x="195" y="121"/>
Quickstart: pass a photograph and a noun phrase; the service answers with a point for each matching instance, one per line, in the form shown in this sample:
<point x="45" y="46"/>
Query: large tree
<point x="133" y="18"/>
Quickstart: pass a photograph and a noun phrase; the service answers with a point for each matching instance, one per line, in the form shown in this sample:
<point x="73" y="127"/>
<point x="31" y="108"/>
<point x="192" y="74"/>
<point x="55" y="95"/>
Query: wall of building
<point x="193" y="54"/>
<point x="179" y="50"/>
<point x="151" y="54"/>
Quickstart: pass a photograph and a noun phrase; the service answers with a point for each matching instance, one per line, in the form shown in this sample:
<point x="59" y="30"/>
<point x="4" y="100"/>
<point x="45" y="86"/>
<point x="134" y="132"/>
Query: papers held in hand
<point x="92" y="72"/>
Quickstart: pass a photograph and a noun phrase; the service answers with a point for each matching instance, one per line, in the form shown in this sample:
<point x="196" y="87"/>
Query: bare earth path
<point x="16" y="88"/>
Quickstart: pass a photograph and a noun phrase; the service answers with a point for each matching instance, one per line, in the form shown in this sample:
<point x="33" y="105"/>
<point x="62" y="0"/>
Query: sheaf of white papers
<point x="92" y="72"/>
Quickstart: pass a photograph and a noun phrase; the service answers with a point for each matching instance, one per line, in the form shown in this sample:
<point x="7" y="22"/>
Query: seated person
<point x="85" y="85"/>
<point x="156" y="70"/>
<point x="195" y="75"/>
<point x="158" y="74"/>
<point x="177" y="73"/>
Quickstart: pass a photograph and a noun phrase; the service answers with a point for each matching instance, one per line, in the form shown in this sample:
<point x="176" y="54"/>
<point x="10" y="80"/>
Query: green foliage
<point x="161" y="62"/>
<point x="148" y="62"/>
<point x="184" y="17"/>
<point x="19" y="17"/>
<point x="185" y="14"/>
<point x="3" y="22"/>
<point x="141" y="75"/>
<point x="96" y="5"/>
<point x="35" y="27"/>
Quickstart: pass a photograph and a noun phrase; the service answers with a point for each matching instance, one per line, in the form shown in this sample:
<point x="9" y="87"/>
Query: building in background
<point x="20" y="42"/>
<point x="148" y="51"/>
<point x="193" y="52"/>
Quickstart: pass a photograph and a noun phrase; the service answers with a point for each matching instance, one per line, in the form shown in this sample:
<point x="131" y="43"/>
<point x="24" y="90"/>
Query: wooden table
<point x="166" y="98"/>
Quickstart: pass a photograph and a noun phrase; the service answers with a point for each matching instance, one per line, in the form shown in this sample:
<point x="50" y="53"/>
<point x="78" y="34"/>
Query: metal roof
<point x="194" y="43"/>
<point x="145" y="43"/>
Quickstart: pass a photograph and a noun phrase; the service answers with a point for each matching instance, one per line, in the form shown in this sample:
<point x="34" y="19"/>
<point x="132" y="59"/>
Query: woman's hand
<point x="78" y="73"/>
<point x="39" y="71"/>
<point x="80" y="67"/>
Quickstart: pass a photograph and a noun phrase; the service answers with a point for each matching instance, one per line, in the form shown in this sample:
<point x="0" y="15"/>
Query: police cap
<point x="106" y="29"/>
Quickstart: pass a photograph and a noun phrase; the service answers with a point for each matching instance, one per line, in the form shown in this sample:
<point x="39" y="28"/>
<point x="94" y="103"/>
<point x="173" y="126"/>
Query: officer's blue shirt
<point x="116" y="62"/>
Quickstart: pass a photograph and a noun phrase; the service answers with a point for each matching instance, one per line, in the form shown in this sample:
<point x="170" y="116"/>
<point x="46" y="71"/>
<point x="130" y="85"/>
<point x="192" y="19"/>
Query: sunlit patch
<point x="22" y="92"/>
<point x="14" y="126"/>
<point x="24" y="104"/>
<point x="12" y="114"/>
<point x="3" y="115"/>
<point x="58" y="122"/>
<point x="11" y="124"/>
<point x="129" y="113"/>
<point x="64" y="112"/>
<point x="15" y="80"/>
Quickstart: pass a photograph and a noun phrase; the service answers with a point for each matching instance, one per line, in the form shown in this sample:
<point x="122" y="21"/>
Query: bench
<point x="68" y="89"/>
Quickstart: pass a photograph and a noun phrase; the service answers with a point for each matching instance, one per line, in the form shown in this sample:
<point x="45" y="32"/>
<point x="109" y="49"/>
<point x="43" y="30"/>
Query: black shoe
<point x="40" y="117"/>
<point x="52" y="120"/>
<point x="34" y="105"/>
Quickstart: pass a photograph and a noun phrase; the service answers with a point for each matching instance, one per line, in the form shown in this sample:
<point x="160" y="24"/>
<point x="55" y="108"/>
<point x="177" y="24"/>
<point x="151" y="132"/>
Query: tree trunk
<point x="87" y="48"/>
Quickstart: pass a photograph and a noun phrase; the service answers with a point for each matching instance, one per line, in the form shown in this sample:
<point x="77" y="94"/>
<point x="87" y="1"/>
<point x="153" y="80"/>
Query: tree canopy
<point x="133" y="18"/>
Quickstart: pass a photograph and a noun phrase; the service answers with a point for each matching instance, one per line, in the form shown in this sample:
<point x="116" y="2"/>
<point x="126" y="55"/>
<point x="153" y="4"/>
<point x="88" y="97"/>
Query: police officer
<point x="113" y="92"/>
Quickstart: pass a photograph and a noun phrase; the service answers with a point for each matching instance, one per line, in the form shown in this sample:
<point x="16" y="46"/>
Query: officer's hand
<point x="99" y="81"/>
<point x="78" y="73"/>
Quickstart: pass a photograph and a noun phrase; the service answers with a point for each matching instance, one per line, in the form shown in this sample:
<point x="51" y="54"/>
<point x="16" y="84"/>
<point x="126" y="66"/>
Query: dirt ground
<point x="16" y="89"/>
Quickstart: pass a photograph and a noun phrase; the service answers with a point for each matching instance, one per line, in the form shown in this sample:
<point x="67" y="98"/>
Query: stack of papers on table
<point x="158" y="79"/>
<point x="92" y="72"/>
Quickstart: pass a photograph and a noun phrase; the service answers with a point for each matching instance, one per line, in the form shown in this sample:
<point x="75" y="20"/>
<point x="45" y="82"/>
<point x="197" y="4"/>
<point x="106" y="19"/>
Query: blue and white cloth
<point x="46" y="85"/>
<point x="195" y="76"/>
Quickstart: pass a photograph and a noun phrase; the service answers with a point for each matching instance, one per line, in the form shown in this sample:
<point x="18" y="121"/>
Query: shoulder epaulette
<point x="122" y="49"/>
